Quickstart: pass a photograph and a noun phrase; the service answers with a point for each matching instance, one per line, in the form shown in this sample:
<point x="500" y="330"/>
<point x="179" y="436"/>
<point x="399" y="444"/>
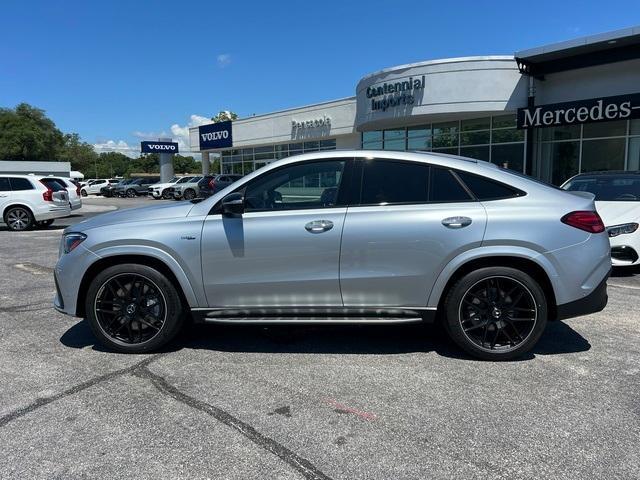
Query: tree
<point x="224" y="115"/>
<point x="27" y="134"/>
<point x="81" y="154"/>
<point x="185" y="164"/>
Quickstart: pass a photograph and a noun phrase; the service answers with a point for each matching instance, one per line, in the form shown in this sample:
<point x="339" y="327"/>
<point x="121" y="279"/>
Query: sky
<point x="118" y="72"/>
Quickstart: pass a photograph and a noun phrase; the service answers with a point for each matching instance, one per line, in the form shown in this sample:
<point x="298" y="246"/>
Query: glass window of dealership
<point x="559" y="153"/>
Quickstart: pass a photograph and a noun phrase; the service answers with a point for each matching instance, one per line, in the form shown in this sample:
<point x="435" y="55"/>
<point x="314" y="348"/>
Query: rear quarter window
<point x="486" y="189"/>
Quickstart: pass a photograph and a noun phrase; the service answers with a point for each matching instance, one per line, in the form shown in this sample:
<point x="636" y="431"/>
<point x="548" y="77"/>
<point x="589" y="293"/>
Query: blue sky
<point x="119" y="71"/>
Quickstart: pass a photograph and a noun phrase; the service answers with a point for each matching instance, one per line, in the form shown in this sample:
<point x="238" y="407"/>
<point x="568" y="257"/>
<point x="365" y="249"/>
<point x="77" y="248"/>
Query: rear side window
<point x="20" y="184"/>
<point x="486" y="189"/>
<point x="386" y="182"/>
<point x="4" y="185"/>
<point x="445" y="187"/>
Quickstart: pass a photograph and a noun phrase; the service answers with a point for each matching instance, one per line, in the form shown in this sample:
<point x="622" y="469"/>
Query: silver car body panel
<point x="391" y="256"/>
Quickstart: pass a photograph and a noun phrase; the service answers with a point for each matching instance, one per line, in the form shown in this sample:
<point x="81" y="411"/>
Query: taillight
<point x="78" y="190"/>
<point x="584" y="220"/>
<point x="212" y="183"/>
<point x="48" y="195"/>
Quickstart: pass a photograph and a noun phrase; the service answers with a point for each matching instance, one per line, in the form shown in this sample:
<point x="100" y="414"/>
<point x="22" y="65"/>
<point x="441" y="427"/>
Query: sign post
<point x="166" y="148"/>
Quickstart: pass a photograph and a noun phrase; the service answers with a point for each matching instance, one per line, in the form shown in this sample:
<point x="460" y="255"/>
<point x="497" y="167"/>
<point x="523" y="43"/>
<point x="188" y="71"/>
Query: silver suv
<point x="345" y="237"/>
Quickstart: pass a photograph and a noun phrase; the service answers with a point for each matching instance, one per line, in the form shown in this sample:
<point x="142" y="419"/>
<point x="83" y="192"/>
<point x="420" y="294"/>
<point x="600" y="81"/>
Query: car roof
<point x="600" y="173"/>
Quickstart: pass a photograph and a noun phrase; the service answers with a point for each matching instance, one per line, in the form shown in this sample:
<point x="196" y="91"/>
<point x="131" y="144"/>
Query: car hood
<point x="134" y="215"/>
<point x="162" y="185"/>
<point x="615" y="213"/>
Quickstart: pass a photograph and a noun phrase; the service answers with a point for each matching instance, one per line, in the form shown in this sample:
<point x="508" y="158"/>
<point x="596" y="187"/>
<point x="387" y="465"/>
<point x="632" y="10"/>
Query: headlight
<point x="616" y="230"/>
<point x="72" y="240"/>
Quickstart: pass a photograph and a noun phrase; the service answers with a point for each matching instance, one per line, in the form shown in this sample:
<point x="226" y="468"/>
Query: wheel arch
<point x="523" y="263"/>
<point x="17" y="204"/>
<point x="181" y="284"/>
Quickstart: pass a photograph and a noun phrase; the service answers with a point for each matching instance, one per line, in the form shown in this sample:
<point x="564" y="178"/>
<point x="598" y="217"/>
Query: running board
<point x="306" y="315"/>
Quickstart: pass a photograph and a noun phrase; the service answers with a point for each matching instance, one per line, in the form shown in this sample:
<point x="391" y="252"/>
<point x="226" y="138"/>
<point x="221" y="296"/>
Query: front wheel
<point x="131" y="193"/>
<point x="496" y="313"/>
<point x="189" y="194"/>
<point x="133" y="308"/>
<point x="166" y="195"/>
<point x="83" y="193"/>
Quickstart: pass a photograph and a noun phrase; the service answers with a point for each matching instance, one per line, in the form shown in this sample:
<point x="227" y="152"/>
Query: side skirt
<point x="313" y="316"/>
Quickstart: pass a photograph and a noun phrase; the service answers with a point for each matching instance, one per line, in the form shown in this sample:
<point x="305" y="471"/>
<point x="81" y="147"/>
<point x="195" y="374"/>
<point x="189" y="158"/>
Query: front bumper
<point x="592" y="303"/>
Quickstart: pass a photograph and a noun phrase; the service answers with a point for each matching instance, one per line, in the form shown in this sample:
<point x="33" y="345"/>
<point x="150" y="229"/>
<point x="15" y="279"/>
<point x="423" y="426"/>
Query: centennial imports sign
<point x="394" y="94"/>
<point x="620" y="107"/>
<point x="158" y="147"/>
<point x="215" y="135"/>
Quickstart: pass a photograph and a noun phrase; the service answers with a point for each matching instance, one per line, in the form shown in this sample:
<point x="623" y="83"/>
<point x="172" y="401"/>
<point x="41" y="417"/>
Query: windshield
<point x="184" y="180"/>
<point x="608" y="188"/>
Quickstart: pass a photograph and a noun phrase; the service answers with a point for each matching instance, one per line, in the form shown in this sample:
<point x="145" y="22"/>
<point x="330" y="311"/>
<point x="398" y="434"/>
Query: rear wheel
<point x="496" y="313"/>
<point x="189" y="194"/>
<point x="131" y="193"/>
<point x="133" y="308"/>
<point x="19" y="219"/>
<point x="83" y="193"/>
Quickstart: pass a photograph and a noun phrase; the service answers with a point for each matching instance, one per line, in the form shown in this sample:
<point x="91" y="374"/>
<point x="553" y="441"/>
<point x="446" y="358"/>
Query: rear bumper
<point x="592" y="303"/>
<point x="52" y="212"/>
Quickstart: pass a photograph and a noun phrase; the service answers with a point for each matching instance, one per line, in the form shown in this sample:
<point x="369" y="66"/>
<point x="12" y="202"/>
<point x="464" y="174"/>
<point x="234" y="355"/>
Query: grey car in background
<point x="138" y="186"/>
<point x="345" y="237"/>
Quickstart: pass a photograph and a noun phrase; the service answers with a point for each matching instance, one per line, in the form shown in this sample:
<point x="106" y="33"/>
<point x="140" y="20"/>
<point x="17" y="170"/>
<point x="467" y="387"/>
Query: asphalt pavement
<point x="367" y="402"/>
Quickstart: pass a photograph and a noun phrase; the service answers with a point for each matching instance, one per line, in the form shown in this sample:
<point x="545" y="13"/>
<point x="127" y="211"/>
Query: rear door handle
<point x="456" y="222"/>
<point x="319" y="226"/>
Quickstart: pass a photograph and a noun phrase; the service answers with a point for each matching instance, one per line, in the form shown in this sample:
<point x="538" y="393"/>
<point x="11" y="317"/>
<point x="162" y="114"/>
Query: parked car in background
<point x="188" y="190"/>
<point x="109" y="189"/>
<point x="136" y="187"/>
<point x="343" y="237"/>
<point x="161" y="190"/>
<point x="93" y="187"/>
<point x="217" y="183"/>
<point x="73" y="189"/>
<point x="617" y="195"/>
<point x="27" y="201"/>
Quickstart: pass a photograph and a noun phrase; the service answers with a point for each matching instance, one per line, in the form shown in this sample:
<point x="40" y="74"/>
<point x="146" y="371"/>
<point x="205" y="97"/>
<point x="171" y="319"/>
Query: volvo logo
<point x="151" y="147"/>
<point x="215" y="135"/>
<point x="162" y="147"/>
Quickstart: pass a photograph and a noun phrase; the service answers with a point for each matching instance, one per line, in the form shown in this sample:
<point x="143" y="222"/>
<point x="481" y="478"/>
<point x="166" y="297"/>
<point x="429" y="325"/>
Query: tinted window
<point x="486" y="189"/>
<point x="18" y="184"/>
<point x="608" y="188"/>
<point x="53" y="184"/>
<point x="386" y="181"/>
<point x="445" y="187"/>
<point x="4" y="185"/>
<point x="305" y="185"/>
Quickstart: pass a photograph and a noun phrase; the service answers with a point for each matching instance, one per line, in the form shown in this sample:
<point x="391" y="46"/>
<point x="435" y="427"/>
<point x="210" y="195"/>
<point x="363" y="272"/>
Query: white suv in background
<point x="27" y="201"/>
<point x="93" y="186"/>
<point x="73" y="189"/>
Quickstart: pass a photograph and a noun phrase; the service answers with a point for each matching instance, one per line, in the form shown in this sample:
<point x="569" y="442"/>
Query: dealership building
<point x="551" y="112"/>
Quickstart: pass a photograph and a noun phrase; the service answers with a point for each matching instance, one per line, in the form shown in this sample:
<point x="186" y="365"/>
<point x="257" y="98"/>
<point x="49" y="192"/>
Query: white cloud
<point x="180" y="133"/>
<point x="116" y="146"/>
<point x="224" y="59"/>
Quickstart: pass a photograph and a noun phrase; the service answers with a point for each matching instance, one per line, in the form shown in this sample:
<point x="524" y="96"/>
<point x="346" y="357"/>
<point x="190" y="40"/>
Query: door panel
<point x="392" y="255"/>
<point x="5" y="194"/>
<point x="271" y="259"/>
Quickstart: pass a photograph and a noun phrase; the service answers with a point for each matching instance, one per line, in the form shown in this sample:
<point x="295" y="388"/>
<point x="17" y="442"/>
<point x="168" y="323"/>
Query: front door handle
<point x="319" y="226"/>
<point x="456" y="222"/>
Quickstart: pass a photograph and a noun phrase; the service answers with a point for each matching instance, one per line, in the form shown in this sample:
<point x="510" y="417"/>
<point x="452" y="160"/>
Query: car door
<point x="284" y="251"/>
<point x="410" y="221"/>
<point x="5" y="193"/>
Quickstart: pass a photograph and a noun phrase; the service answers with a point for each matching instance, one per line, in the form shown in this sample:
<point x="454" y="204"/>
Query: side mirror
<point x="233" y="204"/>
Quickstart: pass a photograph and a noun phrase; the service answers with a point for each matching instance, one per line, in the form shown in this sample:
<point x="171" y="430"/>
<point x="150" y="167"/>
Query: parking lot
<point x="307" y="402"/>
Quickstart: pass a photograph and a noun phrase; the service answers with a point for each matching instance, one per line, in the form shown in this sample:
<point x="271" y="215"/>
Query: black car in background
<point x="216" y="183"/>
<point x="109" y="190"/>
<point x="137" y="186"/>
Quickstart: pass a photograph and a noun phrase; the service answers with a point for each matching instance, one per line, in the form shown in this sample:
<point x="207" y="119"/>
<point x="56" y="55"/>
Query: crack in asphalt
<point x="41" y="402"/>
<point x="302" y="465"/>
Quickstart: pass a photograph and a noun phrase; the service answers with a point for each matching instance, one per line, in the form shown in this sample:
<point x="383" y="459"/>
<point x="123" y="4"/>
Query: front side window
<point x="20" y="184"/>
<point x="299" y="186"/>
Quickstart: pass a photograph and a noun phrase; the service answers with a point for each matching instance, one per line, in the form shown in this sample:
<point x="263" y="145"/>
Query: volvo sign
<point x="158" y="147"/>
<point x="620" y="107"/>
<point x="215" y="135"/>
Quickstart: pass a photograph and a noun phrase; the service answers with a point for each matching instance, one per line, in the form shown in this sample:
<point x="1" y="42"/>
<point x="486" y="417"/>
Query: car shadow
<point x="625" y="271"/>
<point x="558" y="338"/>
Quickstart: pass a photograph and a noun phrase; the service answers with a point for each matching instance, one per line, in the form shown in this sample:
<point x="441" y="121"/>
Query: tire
<point x="165" y="195"/>
<point x="19" y="219"/>
<point x="189" y="194"/>
<point x="44" y="223"/>
<point x="84" y="193"/>
<point x="123" y="321"/>
<point x="131" y="193"/>
<point x="485" y="325"/>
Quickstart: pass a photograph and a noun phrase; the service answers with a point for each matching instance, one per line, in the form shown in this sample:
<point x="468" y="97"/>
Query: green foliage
<point x="27" y="134"/>
<point x="185" y="164"/>
<point x="224" y="115"/>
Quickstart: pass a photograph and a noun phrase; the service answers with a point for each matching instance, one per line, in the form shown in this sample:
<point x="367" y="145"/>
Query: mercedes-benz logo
<point x="131" y="309"/>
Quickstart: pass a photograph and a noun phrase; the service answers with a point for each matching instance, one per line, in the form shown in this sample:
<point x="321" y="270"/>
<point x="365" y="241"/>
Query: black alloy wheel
<point x="165" y="194"/>
<point x="189" y="194"/>
<point x="18" y="219"/>
<point x="133" y="308"/>
<point x="496" y="313"/>
<point x="83" y="192"/>
<point x="131" y="193"/>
